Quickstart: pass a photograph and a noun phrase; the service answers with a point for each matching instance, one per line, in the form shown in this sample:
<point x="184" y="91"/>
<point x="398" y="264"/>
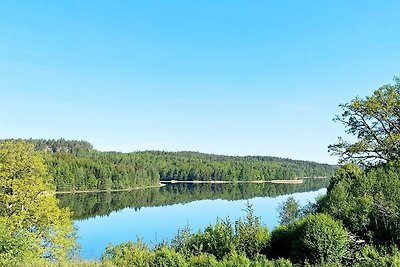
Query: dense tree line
<point x="75" y="165"/>
<point x="103" y="203"/>
<point x="199" y="166"/>
<point x="61" y="145"/>
<point x="99" y="170"/>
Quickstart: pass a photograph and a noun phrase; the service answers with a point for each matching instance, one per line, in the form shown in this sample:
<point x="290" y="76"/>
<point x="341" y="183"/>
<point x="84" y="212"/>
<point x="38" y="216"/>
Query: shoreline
<point x="164" y="183"/>
<point x="296" y="181"/>
<point x="109" y="190"/>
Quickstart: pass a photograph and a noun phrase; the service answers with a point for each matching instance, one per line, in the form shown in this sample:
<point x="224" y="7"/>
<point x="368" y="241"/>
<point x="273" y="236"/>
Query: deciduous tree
<point x="28" y="204"/>
<point x="375" y="121"/>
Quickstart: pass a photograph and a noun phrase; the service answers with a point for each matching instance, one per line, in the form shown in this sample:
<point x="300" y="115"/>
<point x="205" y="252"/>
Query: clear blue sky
<point x="227" y="77"/>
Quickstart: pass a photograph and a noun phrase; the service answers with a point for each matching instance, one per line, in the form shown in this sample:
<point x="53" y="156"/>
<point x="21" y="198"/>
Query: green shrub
<point x="368" y="202"/>
<point x="248" y="237"/>
<point x="264" y="262"/>
<point x="129" y="254"/>
<point x="323" y="239"/>
<point x="369" y="256"/>
<point x="282" y="263"/>
<point x="251" y="237"/>
<point x="182" y="241"/>
<point x="217" y="239"/>
<point x="289" y="210"/>
<point x="318" y="238"/>
<point x="166" y="257"/>
<point x="69" y="263"/>
<point x="281" y="241"/>
<point x="15" y="246"/>
<point x="235" y="260"/>
<point x="203" y="260"/>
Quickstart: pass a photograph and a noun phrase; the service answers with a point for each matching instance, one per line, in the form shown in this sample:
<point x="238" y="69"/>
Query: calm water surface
<point x="156" y="214"/>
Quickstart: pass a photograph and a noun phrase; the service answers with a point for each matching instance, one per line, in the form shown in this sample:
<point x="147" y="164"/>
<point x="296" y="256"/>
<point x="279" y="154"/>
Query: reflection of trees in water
<point x="86" y="205"/>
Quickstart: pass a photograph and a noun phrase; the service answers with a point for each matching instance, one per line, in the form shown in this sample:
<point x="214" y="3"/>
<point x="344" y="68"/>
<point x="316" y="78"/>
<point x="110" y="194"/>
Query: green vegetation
<point x="32" y="226"/>
<point x="76" y="166"/>
<point x="371" y="211"/>
<point x="357" y="223"/>
<point x="318" y="238"/>
<point x="289" y="211"/>
<point x="222" y="244"/>
<point x="375" y="123"/>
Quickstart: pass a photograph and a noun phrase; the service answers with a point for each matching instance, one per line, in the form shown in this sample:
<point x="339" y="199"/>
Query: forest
<point x="75" y="165"/>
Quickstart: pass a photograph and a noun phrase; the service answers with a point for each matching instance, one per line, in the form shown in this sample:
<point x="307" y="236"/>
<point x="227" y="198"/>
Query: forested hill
<point x="76" y="165"/>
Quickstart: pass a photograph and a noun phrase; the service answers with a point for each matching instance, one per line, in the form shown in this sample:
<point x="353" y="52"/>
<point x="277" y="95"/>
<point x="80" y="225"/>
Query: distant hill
<point x="76" y="165"/>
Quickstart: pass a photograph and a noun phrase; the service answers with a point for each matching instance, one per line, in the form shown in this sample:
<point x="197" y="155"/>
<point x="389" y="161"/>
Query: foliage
<point x="62" y="145"/>
<point x="264" y="262"/>
<point x="182" y="242"/>
<point x="251" y="237"/>
<point x="203" y="260"/>
<point x="367" y="202"/>
<point x="375" y="122"/>
<point x="137" y="254"/>
<point x="129" y="254"/>
<point x="235" y="260"/>
<point x="69" y="263"/>
<point x="323" y="239"/>
<point x="246" y="237"/>
<point x="28" y="208"/>
<point x="217" y="239"/>
<point x="281" y="241"/>
<point x="280" y="263"/>
<point x="289" y="210"/>
<point x="165" y="257"/>
<point x="14" y="246"/>
<point x="76" y="166"/>
<point x="318" y="238"/>
<point x="373" y="257"/>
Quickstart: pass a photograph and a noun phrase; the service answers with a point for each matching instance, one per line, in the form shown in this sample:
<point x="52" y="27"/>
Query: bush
<point x="368" y="202"/>
<point x="129" y="254"/>
<point x="182" y="241"/>
<point x="235" y="260"/>
<point x="217" y="240"/>
<point x="371" y="257"/>
<point x="289" y="210"/>
<point x="251" y="237"/>
<point x="69" y="263"/>
<point x="282" y="263"/>
<point x="248" y="237"/>
<point x="281" y="242"/>
<point x="264" y="262"/>
<point x="15" y="246"/>
<point x="323" y="239"/>
<point x="203" y="260"/>
<point x="318" y="238"/>
<point x="166" y="257"/>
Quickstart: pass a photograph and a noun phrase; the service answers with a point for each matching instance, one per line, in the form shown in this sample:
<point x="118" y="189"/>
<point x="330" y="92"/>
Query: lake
<point x="155" y="214"/>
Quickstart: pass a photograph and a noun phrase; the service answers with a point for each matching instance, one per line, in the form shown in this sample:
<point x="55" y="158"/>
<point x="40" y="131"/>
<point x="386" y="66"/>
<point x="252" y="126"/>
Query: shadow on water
<point x="87" y="205"/>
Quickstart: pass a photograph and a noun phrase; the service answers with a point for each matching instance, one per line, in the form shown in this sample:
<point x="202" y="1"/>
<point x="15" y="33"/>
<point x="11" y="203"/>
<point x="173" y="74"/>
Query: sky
<point x="226" y="77"/>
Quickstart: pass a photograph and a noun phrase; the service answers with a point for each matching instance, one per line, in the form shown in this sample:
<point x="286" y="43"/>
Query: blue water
<point x="155" y="224"/>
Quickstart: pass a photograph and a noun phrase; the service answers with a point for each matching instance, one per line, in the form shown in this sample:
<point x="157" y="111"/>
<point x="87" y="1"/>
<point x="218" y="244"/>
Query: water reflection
<point x="87" y="205"/>
<point x="156" y="214"/>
